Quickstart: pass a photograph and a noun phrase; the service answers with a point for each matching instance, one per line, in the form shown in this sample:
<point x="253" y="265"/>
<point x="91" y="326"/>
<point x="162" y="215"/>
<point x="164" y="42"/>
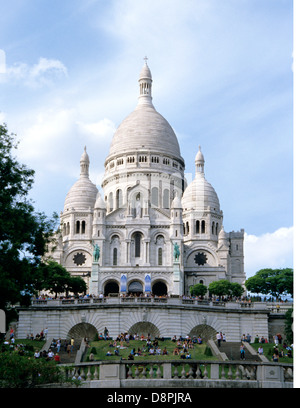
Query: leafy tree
<point x="58" y="280"/>
<point x="18" y="371"/>
<point x="77" y="285"/>
<point x="236" y="289"/>
<point x="223" y="287"/>
<point x="220" y="287"/>
<point x="273" y="282"/>
<point x="24" y="233"/>
<point x="198" y="290"/>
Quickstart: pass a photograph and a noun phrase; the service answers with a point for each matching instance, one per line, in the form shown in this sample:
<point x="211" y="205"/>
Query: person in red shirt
<point x="57" y="358"/>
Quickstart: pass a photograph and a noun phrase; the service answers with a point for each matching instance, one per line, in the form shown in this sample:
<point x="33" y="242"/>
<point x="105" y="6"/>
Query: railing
<point x="142" y="373"/>
<point x="272" y="307"/>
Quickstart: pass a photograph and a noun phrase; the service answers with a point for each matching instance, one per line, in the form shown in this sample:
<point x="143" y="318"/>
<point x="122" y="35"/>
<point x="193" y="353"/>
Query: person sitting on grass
<point x="188" y="355"/>
<point x="165" y="352"/>
<point x="176" y="351"/>
<point x="130" y="357"/>
<point x="183" y="356"/>
<point x="108" y="353"/>
<point x="151" y="351"/>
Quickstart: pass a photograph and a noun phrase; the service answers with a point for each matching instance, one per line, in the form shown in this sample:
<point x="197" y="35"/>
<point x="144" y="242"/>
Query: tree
<point x="24" y="233"/>
<point x="58" y="280"/>
<point x="223" y="287"/>
<point x="198" y="290"/>
<point x="275" y="282"/>
<point x="220" y="287"/>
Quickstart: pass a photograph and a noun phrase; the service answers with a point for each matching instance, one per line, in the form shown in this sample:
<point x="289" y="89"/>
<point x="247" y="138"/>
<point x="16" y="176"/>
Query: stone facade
<point x="166" y="318"/>
<point x="146" y="209"/>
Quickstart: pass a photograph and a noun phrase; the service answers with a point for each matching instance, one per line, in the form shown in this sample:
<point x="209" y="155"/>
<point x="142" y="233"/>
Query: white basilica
<point x="150" y="232"/>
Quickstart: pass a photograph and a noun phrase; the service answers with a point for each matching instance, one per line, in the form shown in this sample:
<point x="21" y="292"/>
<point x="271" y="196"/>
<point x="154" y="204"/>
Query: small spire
<point x="84" y="164"/>
<point x="199" y="162"/>
<point x="145" y="84"/>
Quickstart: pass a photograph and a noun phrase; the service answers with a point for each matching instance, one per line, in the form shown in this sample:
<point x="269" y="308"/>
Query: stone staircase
<point x="66" y="358"/>
<point x="232" y="351"/>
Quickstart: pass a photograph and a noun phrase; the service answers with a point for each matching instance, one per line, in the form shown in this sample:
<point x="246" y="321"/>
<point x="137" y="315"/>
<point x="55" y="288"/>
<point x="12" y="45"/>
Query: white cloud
<point x="42" y="73"/>
<point x="270" y="250"/>
<point x="103" y="129"/>
<point x="2" y="62"/>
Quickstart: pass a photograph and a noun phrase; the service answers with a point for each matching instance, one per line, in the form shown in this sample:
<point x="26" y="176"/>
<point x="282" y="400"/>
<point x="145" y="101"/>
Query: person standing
<point x="105" y="333"/>
<point x="58" y="345"/>
<point x="219" y="338"/>
<point x="242" y="352"/>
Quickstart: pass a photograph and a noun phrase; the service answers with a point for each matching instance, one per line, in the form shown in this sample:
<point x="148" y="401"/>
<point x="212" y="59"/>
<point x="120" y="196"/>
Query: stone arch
<point x="159" y="288"/>
<point x="145" y="328"/>
<point x="135" y="286"/>
<point x="111" y="286"/>
<point x="205" y="331"/>
<point x="82" y="330"/>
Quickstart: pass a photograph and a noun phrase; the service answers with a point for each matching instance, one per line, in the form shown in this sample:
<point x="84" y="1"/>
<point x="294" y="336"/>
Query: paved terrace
<point x="171" y="301"/>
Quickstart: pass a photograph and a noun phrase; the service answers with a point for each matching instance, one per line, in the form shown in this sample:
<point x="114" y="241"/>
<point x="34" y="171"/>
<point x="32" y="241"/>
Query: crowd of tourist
<point x="182" y="345"/>
<point x="211" y="298"/>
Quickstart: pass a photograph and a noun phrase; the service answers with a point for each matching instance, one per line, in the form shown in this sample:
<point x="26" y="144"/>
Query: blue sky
<point x="222" y="76"/>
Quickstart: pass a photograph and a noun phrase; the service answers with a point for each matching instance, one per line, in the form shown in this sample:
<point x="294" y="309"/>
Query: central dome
<point x="145" y="128"/>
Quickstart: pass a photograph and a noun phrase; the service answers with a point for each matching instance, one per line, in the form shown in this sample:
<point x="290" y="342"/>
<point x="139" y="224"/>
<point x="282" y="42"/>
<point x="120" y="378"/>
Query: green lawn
<point x="269" y="350"/>
<point x="100" y="348"/>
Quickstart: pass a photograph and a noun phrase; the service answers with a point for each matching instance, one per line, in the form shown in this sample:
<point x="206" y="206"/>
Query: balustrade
<point x="185" y="370"/>
<point x="157" y="300"/>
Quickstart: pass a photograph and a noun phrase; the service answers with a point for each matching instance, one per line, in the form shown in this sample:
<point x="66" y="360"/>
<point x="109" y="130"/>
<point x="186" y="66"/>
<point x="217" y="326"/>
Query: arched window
<point x="137" y="244"/>
<point x="187" y="228"/>
<point x="110" y="202"/>
<point x="77" y="227"/>
<point x="115" y="256"/>
<point x="160" y="253"/>
<point x="217" y="228"/>
<point x="83" y="227"/>
<point x="68" y="228"/>
<point x="166" y="199"/>
<point x="197" y="227"/>
<point x="202" y="227"/>
<point x="154" y="196"/>
<point x="119" y="198"/>
<point x="213" y="227"/>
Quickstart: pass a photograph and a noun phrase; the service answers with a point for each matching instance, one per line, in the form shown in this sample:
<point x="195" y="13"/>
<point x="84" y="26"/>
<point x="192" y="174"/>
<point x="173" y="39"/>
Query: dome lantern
<point x="145" y="82"/>
<point x="84" y="164"/>
<point x="199" y="162"/>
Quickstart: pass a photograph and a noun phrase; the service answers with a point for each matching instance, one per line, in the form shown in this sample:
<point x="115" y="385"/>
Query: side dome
<point x="199" y="195"/>
<point x="82" y="195"/>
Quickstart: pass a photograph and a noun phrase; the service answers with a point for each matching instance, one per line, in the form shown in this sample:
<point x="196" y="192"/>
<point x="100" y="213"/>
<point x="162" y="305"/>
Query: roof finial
<point x="146" y="59"/>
